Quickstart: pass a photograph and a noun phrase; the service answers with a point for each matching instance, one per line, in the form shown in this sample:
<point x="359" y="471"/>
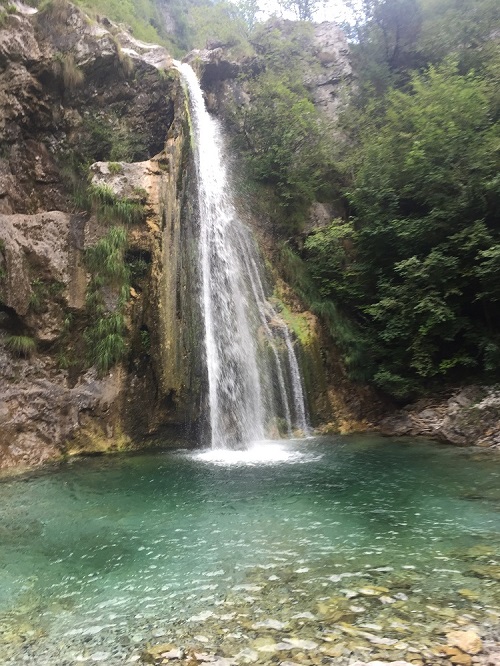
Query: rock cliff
<point x="75" y="92"/>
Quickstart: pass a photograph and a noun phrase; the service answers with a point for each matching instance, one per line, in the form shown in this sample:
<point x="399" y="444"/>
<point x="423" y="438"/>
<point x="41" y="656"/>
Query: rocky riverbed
<point x="280" y="616"/>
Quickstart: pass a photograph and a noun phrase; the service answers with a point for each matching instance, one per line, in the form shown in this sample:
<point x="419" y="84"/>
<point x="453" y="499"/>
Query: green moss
<point x="296" y="322"/>
<point x="351" y="339"/>
<point x="168" y="74"/>
<point x="107" y="138"/>
<point x="93" y="439"/>
<point x="5" y="10"/>
<point x="43" y="291"/>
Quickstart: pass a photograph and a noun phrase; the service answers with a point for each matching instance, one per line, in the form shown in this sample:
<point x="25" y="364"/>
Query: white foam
<point x="259" y="453"/>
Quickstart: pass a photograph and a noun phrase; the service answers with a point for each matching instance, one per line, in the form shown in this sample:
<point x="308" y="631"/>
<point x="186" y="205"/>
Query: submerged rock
<point x="467" y="641"/>
<point x="382" y="663"/>
<point x="153" y="654"/>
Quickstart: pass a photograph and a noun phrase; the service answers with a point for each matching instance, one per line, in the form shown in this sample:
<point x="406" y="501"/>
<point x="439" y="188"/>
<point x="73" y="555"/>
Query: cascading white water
<point x="243" y="332"/>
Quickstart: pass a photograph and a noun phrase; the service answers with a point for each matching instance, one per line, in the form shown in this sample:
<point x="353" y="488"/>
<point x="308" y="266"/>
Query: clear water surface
<point x="102" y="555"/>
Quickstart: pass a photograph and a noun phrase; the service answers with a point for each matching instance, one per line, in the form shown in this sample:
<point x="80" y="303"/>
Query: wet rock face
<point x="43" y="285"/>
<point x="39" y="413"/>
<point x="470" y="417"/>
<point x="74" y="91"/>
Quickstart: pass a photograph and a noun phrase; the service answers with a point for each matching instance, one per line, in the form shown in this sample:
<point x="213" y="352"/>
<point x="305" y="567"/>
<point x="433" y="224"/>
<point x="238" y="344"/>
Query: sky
<point x="331" y="10"/>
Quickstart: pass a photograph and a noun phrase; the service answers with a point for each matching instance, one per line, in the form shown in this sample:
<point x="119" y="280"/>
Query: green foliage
<point x="106" y="257"/>
<point x="138" y="269"/>
<point x="115" y="168"/>
<point x="107" y="138"/>
<point x="282" y="138"/>
<point x="286" y="49"/>
<point x="145" y="341"/>
<point x="285" y="142"/>
<point x="105" y="335"/>
<point x="140" y="15"/>
<point x="140" y="192"/>
<point x="65" y="354"/>
<point x="55" y="13"/>
<point x="248" y="11"/>
<point x="106" y="341"/>
<point x="459" y="28"/>
<point x="145" y="19"/>
<point x="350" y="337"/>
<point x="218" y="22"/>
<point x="304" y="10"/>
<point x="112" y="209"/>
<point x="6" y="8"/>
<point x="42" y="291"/>
<point x="126" y="62"/>
<point x="328" y="251"/>
<point x="392" y="37"/>
<point x="418" y="266"/>
<point x="21" y="345"/>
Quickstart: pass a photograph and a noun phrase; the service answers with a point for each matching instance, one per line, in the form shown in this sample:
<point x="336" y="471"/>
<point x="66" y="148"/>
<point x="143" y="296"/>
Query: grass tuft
<point x="108" y="207"/>
<point x="21" y="345"/>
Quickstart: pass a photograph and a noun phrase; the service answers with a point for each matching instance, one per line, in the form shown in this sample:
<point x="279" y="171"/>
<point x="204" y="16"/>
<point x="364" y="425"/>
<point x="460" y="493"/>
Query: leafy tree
<point x="285" y="141"/>
<point x="218" y="22"/>
<point x="304" y="10"/>
<point x="249" y="10"/>
<point x="419" y="266"/>
<point x="462" y="28"/>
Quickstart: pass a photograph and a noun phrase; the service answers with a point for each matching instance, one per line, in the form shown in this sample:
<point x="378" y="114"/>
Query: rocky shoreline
<point x="470" y="416"/>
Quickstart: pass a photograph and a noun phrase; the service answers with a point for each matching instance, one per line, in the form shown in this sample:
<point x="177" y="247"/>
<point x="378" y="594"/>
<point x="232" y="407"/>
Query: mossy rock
<point x="93" y="439"/>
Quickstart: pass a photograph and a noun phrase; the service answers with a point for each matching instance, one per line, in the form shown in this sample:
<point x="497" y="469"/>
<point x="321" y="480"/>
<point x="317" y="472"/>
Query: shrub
<point x="57" y="11"/>
<point x="4" y="12"/>
<point x="64" y="65"/>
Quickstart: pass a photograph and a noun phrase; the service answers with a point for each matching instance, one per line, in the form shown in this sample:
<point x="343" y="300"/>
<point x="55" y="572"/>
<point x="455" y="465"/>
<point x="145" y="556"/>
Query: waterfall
<point x="249" y="350"/>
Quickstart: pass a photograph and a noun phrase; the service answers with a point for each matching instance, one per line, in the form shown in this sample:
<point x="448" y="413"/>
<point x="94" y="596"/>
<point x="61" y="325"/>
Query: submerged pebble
<point x="198" y="581"/>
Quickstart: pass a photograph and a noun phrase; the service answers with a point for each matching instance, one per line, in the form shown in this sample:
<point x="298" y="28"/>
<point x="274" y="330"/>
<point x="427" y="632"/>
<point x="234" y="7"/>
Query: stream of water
<point x="245" y="550"/>
<point x="253" y="373"/>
